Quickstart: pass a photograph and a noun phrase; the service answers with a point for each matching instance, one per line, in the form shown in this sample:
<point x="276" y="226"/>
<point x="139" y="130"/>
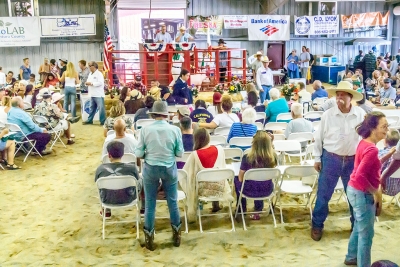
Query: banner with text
<point x="198" y="25"/>
<point x="235" y="22"/>
<point x="316" y="25"/>
<point x="19" y="31"/>
<point x="62" y="26"/>
<point x="363" y="22"/>
<point x="269" y="27"/>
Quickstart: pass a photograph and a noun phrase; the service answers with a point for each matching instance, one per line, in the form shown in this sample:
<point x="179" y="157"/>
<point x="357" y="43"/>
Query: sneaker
<point x="45" y="152"/>
<point x="87" y="122"/>
<point x="108" y="214"/>
<point x="70" y="142"/>
<point x="74" y="119"/>
<point x="316" y="234"/>
<point x="350" y="262"/>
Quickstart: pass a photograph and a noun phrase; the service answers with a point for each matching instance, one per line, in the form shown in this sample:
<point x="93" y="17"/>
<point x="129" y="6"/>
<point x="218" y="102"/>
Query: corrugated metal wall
<point x="74" y="49"/>
<point x="396" y="33"/>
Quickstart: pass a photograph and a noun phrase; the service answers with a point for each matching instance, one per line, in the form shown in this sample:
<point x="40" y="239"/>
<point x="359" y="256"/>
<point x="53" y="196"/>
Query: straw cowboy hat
<point x="258" y="54"/>
<point x="265" y="59"/>
<point x="136" y="94"/>
<point x="155" y="92"/>
<point x="183" y="28"/>
<point x="347" y="87"/>
<point x="160" y="108"/>
<point x="56" y="97"/>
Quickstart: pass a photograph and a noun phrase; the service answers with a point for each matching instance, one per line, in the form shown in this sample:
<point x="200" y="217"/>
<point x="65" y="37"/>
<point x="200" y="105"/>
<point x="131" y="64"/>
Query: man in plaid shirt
<point x="138" y="85"/>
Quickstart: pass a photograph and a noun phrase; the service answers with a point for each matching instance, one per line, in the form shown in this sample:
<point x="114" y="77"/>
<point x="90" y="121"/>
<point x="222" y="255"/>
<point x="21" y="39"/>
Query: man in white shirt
<point x="256" y="64"/>
<point x="182" y="36"/>
<point x="336" y="141"/>
<point x="95" y="84"/>
<point x="2" y="78"/>
<point x="304" y="62"/>
<point x="129" y="140"/>
<point x="304" y="94"/>
<point x="163" y="36"/>
<point x="265" y="79"/>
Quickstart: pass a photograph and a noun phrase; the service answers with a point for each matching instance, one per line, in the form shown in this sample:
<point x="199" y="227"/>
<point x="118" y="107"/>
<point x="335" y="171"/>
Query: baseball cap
<point x="138" y="78"/>
<point x="63" y="60"/>
<point x="387" y="80"/>
<point x="217" y="97"/>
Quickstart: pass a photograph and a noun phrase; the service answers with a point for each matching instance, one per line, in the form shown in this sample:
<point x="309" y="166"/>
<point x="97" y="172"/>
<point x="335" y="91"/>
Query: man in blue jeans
<point x="95" y="84"/>
<point x="265" y="79"/>
<point x="159" y="144"/>
<point x="336" y="142"/>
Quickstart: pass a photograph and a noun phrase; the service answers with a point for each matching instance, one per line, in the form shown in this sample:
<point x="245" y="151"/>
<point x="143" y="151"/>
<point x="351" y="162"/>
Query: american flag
<point x="269" y="30"/>
<point x="107" y="48"/>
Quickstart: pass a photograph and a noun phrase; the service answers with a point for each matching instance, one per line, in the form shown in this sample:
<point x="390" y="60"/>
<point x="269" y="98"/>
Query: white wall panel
<point x="155" y="4"/>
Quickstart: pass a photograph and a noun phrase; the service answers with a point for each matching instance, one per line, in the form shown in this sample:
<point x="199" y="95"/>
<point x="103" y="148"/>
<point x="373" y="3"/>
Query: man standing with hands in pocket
<point x="95" y="84"/>
<point x="336" y="142"/>
<point x="265" y="79"/>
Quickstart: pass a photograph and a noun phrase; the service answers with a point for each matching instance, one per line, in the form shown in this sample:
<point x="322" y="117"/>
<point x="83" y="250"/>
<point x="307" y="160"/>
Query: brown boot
<point x="149" y="239"/>
<point x="316" y="234"/>
<point x="176" y="235"/>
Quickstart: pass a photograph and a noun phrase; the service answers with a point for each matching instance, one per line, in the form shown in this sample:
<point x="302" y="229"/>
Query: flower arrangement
<point x="235" y="85"/>
<point x="195" y="91"/>
<point x="288" y="89"/>
<point x="219" y="88"/>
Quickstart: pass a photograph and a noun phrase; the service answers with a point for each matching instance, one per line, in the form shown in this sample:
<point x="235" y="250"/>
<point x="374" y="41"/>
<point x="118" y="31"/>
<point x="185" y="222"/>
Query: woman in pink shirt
<point x="364" y="191"/>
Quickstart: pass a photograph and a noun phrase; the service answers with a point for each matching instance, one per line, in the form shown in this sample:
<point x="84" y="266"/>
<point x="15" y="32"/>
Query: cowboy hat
<point x="258" y="53"/>
<point x="221" y="41"/>
<point x="160" y="108"/>
<point x="56" y="97"/>
<point x="155" y="92"/>
<point x="347" y="87"/>
<point x="64" y="60"/>
<point x="183" y="28"/>
<point x="265" y="59"/>
<point x="42" y="92"/>
<point x="135" y="94"/>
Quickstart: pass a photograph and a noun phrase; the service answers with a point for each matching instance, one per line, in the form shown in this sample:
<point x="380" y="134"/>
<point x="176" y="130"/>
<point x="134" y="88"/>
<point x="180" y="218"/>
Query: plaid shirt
<point x="392" y="187"/>
<point x="140" y="87"/>
<point x="52" y="113"/>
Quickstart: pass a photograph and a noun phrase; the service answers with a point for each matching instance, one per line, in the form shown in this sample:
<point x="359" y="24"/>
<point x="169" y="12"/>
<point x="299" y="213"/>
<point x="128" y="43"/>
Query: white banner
<point x="235" y="22"/>
<point x="316" y="25"/>
<point x="59" y="26"/>
<point x="269" y="27"/>
<point x="19" y="31"/>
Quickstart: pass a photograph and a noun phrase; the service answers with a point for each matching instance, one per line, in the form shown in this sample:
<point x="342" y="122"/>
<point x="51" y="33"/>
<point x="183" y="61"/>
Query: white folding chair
<point x="381" y="144"/>
<point x="241" y="141"/>
<point x="261" y="116"/>
<point x="214" y="175"/>
<point x="283" y="146"/>
<point x="216" y="140"/>
<point x="396" y="198"/>
<point x="129" y="131"/>
<point x="284" y="117"/>
<point x="132" y="116"/>
<point x="297" y="180"/>
<point x="233" y="153"/>
<point x="27" y="105"/>
<point x="259" y="175"/>
<point x="117" y="183"/>
<point x="172" y="109"/>
<point x="184" y="156"/>
<point x="301" y="137"/>
<point x="320" y="100"/>
<point x="126" y="158"/>
<point x="275" y="126"/>
<point x="222" y="131"/>
<point x="260" y="126"/>
<point x="393" y="120"/>
<point x="316" y="125"/>
<point x="110" y="132"/>
<point x="313" y="115"/>
<point x="175" y="119"/>
<point x="182" y="175"/>
<point x="279" y="137"/>
<point x="306" y="106"/>
<point x="20" y="144"/>
<point x="143" y="122"/>
<point x="57" y="131"/>
<point x="308" y="158"/>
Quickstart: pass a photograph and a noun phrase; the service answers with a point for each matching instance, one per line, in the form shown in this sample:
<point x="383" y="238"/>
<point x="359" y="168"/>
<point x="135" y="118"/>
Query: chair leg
<point x="186" y="222"/>
<point x="104" y="221"/>
<point x="280" y="207"/>
<point x="233" y="221"/>
<point x="199" y="214"/>
<point x="272" y="211"/>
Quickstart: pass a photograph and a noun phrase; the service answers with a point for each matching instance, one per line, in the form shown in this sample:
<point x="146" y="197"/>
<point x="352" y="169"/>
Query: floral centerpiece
<point x="219" y="88"/>
<point x="289" y="89"/>
<point x="235" y="85"/>
<point x="195" y="91"/>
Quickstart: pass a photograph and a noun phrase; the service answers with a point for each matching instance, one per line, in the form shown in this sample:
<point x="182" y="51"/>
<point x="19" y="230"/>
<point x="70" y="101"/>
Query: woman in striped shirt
<point x="246" y="128"/>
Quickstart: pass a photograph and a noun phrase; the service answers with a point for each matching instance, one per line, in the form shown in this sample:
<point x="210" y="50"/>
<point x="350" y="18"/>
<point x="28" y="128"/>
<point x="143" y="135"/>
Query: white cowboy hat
<point x="56" y="97"/>
<point x="159" y="107"/>
<point x="258" y="53"/>
<point x="41" y="92"/>
<point x="265" y="59"/>
<point x="345" y="86"/>
<point x="136" y="94"/>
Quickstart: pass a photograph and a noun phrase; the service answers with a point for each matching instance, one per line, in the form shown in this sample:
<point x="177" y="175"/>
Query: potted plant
<point x="289" y="89"/>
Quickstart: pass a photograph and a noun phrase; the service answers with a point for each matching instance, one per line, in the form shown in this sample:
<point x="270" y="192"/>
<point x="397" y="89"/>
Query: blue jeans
<point x="70" y="97"/>
<point x="360" y="242"/>
<point x="332" y="167"/>
<point x="264" y="95"/>
<point x="293" y="74"/>
<point x="97" y="103"/>
<point x="151" y="181"/>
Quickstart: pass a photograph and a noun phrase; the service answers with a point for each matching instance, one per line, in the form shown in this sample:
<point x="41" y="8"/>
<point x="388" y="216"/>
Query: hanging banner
<point x="316" y="25"/>
<point x="269" y="27"/>
<point x="363" y="22"/>
<point x="19" y="31"/>
<point x="235" y="22"/>
<point x="61" y="26"/>
<point x="198" y="25"/>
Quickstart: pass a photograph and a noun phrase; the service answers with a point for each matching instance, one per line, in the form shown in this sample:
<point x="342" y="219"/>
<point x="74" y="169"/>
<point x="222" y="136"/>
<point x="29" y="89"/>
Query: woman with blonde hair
<point x="261" y="155"/>
<point x="71" y="79"/>
<point x="117" y="111"/>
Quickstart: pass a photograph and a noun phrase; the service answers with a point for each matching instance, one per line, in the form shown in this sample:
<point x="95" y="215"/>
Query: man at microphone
<point x="182" y="36"/>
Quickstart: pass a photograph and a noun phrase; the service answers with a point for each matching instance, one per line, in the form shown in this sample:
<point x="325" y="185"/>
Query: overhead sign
<point x="198" y="25"/>
<point x="235" y="22"/>
<point x="19" y="31"/>
<point x="370" y="21"/>
<point x="62" y="26"/>
<point x="269" y="27"/>
<point x="316" y="25"/>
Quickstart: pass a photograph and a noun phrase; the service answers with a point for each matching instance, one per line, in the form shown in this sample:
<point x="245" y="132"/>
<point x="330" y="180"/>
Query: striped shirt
<point x="239" y="129"/>
<point x="392" y="185"/>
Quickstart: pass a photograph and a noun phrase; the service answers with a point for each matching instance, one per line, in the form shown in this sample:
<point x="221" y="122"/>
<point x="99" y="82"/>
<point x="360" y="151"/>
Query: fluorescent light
<point x="162" y="23"/>
<point x="145" y="27"/>
<point x="152" y="25"/>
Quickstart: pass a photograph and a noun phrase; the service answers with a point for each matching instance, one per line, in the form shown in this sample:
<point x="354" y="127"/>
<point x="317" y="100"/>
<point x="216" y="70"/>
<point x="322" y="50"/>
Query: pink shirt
<point x="383" y="65"/>
<point x="367" y="167"/>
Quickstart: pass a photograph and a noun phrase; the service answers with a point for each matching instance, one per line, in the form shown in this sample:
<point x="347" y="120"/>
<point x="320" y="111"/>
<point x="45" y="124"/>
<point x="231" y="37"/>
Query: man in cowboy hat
<point x="256" y="64"/>
<point x="95" y="84"/>
<point x="265" y="79"/>
<point x="182" y="36"/>
<point x="336" y="142"/>
<point x="163" y="36"/>
<point x="63" y="64"/>
<point x="223" y="59"/>
<point x="159" y="144"/>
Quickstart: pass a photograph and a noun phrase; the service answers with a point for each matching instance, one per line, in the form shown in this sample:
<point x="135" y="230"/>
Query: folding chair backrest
<point x="260" y="126"/>
<point x="172" y="109"/>
<point x="182" y="178"/>
<point x="15" y="128"/>
<point x="218" y="140"/>
<point x="320" y="100"/>
<point x="396" y="174"/>
<point x="132" y="116"/>
<point x="284" y="117"/>
<point x="214" y="175"/>
<point x="116" y="182"/>
<point x="184" y="157"/>
<point x="129" y="131"/>
<point x="393" y="120"/>
<point x="261" y="116"/>
<point x="313" y="115"/>
<point x="301" y="137"/>
<point x="231" y="153"/>
<point x="27" y="105"/>
<point x="305" y="173"/>
<point x="310" y="151"/>
<point x="381" y="144"/>
<point x="241" y="141"/>
<point x="128" y="158"/>
<point x="110" y="132"/>
<point x="273" y="126"/>
<point x="287" y="145"/>
<point x="40" y="119"/>
<point x="316" y="125"/>
<point x="279" y="137"/>
<point x="262" y="174"/>
<point x="222" y="131"/>
<point x="143" y="122"/>
<point x="175" y="119"/>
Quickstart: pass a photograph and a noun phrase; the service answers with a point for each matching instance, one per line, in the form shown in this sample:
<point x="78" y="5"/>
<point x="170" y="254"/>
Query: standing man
<point x="182" y="36"/>
<point x="336" y="142"/>
<point x="358" y="58"/>
<point x="256" y="64"/>
<point x="369" y="63"/>
<point x="223" y="60"/>
<point x="311" y="63"/>
<point x="83" y="75"/>
<point x="163" y="36"/>
<point x="304" y="62"/>
<point x="265" y="79"/>
<point x="95" y="84"/>
<point x="63" y="64"/>
<point x="44" y="69"/>
<point x="159" y="144"/>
